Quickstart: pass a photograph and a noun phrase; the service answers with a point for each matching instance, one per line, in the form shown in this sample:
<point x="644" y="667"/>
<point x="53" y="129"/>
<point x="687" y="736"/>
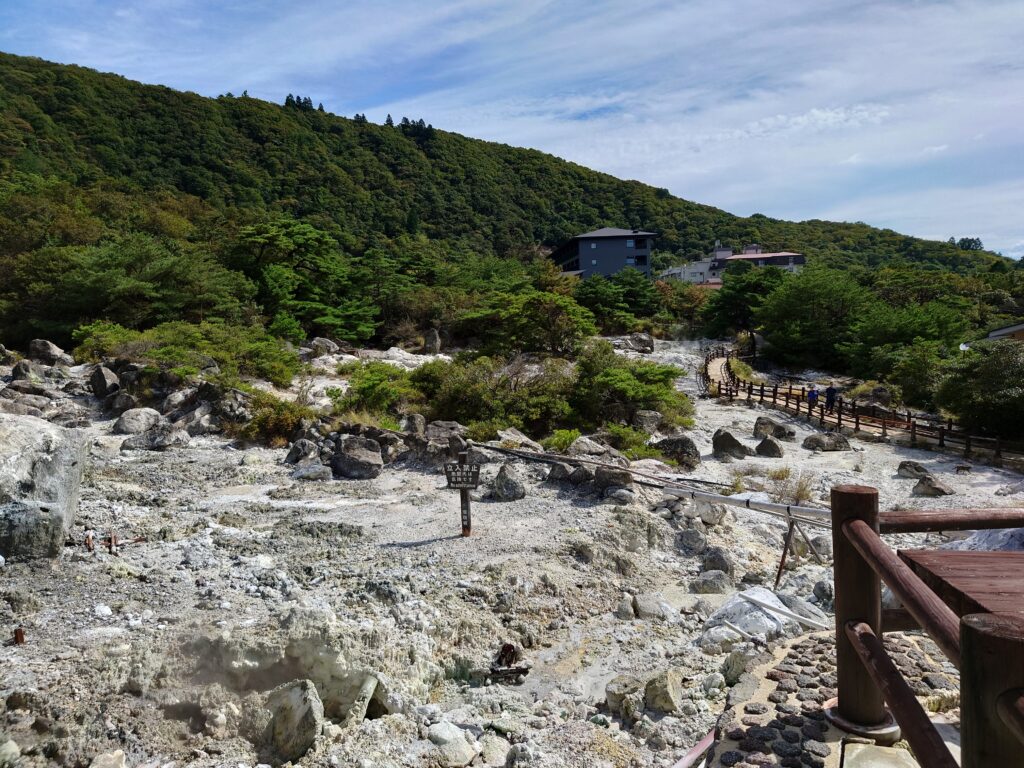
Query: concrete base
<point x="870" y="756"/>
<point x="884" y="734"/>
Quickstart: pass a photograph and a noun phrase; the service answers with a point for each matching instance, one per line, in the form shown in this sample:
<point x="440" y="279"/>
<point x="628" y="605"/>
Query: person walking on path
<point x="812" y="396"/>
<point x="830" y="397"/>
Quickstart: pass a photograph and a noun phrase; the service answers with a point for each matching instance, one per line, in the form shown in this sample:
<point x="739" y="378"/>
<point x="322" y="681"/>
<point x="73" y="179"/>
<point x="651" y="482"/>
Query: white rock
<point x="103" y="611"/>
<point x="752" y="619"/>
<point x="457" y="747"/>
<point x="109" y="760"/>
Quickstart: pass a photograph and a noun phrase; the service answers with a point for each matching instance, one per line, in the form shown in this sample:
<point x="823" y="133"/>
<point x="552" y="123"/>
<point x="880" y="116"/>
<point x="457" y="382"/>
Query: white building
<point x="709" y="271"/>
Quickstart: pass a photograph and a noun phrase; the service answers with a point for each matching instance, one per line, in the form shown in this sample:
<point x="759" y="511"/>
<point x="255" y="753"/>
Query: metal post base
<point x="884" y="734"/>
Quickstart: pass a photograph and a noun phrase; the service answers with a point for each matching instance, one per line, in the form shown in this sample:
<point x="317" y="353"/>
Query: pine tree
<point x="320" y="108"/>
<point x="388" y="121"/>
<point x="289" y="101"/>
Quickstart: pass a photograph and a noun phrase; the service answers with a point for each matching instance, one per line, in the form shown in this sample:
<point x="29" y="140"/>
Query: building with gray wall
<point x="606" y="251"/>
<point x="709" y="271"/>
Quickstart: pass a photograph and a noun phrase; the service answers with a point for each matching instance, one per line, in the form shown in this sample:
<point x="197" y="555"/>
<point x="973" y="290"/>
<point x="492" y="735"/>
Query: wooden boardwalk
<point x="971" y="582"/>
<point x="718" y="380"/>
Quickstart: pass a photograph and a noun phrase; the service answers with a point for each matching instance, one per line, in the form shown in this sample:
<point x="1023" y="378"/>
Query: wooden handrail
<point x="1010" y="706"/>
<point x="930" y="520"/>
<point x="926" y="742"/>
<point x="924" y="605"/>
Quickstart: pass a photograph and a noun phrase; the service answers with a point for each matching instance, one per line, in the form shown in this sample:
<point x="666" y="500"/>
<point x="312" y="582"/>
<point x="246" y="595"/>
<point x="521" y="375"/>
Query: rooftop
<point x="615" y="232"/>
<point x="762" y="255"/>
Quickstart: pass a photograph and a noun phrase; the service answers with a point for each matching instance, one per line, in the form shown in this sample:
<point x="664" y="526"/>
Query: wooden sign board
<point x="462" y="476"/>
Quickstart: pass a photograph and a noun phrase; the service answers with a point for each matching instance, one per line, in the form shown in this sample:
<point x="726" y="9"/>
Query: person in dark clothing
<point x="812" y="396"/>
<point x="830" y="397"/>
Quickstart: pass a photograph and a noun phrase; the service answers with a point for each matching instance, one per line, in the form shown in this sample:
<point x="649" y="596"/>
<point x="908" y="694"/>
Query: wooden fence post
<point x="775" y="393"/>
<point x="856" y="420"/>
<point x="761" y="395"/>
<point x="883" y="427"/>
<point x="839" y="418"/>
<point x="942" y="437"/>
<point x="821" y="413"/>
<point x="858" y="597"/>
<point x="992" y="654"/>
<point x="913" y="432"/>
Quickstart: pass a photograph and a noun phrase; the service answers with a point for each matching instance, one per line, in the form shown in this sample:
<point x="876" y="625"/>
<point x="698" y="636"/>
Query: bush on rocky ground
<point x="274" y="421"/>
<point x="218" y="349"/>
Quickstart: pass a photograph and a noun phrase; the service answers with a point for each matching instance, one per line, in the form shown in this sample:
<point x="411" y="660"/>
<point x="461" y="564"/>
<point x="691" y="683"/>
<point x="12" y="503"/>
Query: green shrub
<point x="612" y="388"/>
<point x="984" y="388"/>
<point x="631" y="442"/>
<point x="377" y="387"/>
<point x="560" y="440"/>
<point x="274" y="420"/>
<point x="481" y="431"/>
<point x="188" y="348"/>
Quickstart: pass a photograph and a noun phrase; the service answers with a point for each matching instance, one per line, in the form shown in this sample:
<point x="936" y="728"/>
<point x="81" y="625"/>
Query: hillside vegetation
<point x="139" y="206"/>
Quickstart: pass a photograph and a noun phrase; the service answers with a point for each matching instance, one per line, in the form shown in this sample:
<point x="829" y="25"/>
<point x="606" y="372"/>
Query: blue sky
<point x="901" y="114"/>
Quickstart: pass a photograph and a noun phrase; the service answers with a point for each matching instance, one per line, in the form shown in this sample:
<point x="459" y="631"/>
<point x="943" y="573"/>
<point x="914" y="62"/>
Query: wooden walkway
<point x="718" y="379"/>
<point x="971" y="582"/>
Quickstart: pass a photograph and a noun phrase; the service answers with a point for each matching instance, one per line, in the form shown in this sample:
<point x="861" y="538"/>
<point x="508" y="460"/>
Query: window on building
<point x="629" y="243"/>
<point x="641" y="259"/>
<point x="641" y="242"/>
<point x="630" y="260"/>
<point x="593" y="262"/>
<point x="593" y="245"/>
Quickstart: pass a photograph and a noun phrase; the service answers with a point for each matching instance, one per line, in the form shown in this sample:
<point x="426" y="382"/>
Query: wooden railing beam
<point x="917" y="729"/>
<point x="925" y="606"/>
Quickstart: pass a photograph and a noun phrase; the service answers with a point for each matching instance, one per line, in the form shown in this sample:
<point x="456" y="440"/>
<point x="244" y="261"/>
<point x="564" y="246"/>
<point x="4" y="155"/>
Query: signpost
<point x="463" y="476"/>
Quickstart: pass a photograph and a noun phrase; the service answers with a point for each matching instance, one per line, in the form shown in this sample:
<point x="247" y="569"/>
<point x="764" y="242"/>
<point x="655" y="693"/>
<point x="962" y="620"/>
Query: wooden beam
<point x="935" y="617"/>
<point x="858" y="598"/>
<point x="993" y="646"/>
<point x="917" y="729"/>
<point x="931" y="520"/>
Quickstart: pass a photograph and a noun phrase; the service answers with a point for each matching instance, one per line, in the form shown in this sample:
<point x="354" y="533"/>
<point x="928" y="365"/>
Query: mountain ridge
<point x="362" y="180"/>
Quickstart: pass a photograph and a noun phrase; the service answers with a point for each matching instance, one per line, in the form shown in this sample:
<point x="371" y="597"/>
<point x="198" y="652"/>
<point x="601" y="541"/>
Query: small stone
<point x="692" y="541"/>
<point x="713" y="682"/>
<point x="912" y="470"/>
<point x="106" y="760"/>
<point x="726" y="446"/>
<point x="755" y="708"/>
<point x="817" y="748"/>
<point x="508" y="484"/>
<point x="827" y="441"/>
<point x="9" y="754"/>
<point x="457" y="747"/>
<point x="624" y="610"/>
<point x="718" y="559"/>
<point x="770" y="448"/>
<point x="663" y="692"/>
<point x="648" y="606"/>
<point x="711" y="583"/>
<point x="297" y="716"/>
<point x="731" y="757"/>
<point x="785" y="749"/>
<point x="103" y="611"/>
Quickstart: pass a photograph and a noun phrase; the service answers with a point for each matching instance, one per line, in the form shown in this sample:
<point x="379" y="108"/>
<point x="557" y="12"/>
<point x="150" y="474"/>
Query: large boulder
<point x="608" y="477"/>
<point x="103" y="381"/>
<point x="508" y="484"/>
<point x="586" y="446"/>
<point x="765" y="427"/>
<point x="296" y="719"/>
<point x="725" y="446"/>
<point x="41" y="473"/>
<point x="413" y="423"/>
<point x="357" y="458"/>
<point x="766" y="624"/>
<point x="458" y="747"/>
<point x="912" y="470"/>
<point x="135" y="421"/>
<point x="711" y="583"/>
<point x="718" y="559"/>
<point x="647" y="421"/>
<point x="48" y="353"/>
<point x="770" y="448"/>
<point x="442" y="430"/>
<point x="302" y="450"/>
<point x="930" y="486"/>
<point x="640" y="342"/>
<point x="159" y="438"/>
<point x="513" y="436"/>
<point x="664" y="692"/>
<point x="680" y="449"/>
<point x="322" y="346"/>
<point x="826" y="441"/>
<point x="26" y="370"/>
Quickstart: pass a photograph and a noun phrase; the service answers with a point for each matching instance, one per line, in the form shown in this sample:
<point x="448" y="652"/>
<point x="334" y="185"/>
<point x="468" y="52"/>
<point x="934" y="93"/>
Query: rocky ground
<point x="328" y="612"/>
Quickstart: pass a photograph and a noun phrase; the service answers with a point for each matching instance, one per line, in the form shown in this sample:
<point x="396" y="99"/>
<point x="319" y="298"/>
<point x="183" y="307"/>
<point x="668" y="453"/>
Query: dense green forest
<point x="140" y="206"/>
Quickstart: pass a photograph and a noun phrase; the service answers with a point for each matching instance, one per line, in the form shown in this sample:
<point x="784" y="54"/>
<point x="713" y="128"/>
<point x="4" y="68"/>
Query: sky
<point x="905" y="114"/>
